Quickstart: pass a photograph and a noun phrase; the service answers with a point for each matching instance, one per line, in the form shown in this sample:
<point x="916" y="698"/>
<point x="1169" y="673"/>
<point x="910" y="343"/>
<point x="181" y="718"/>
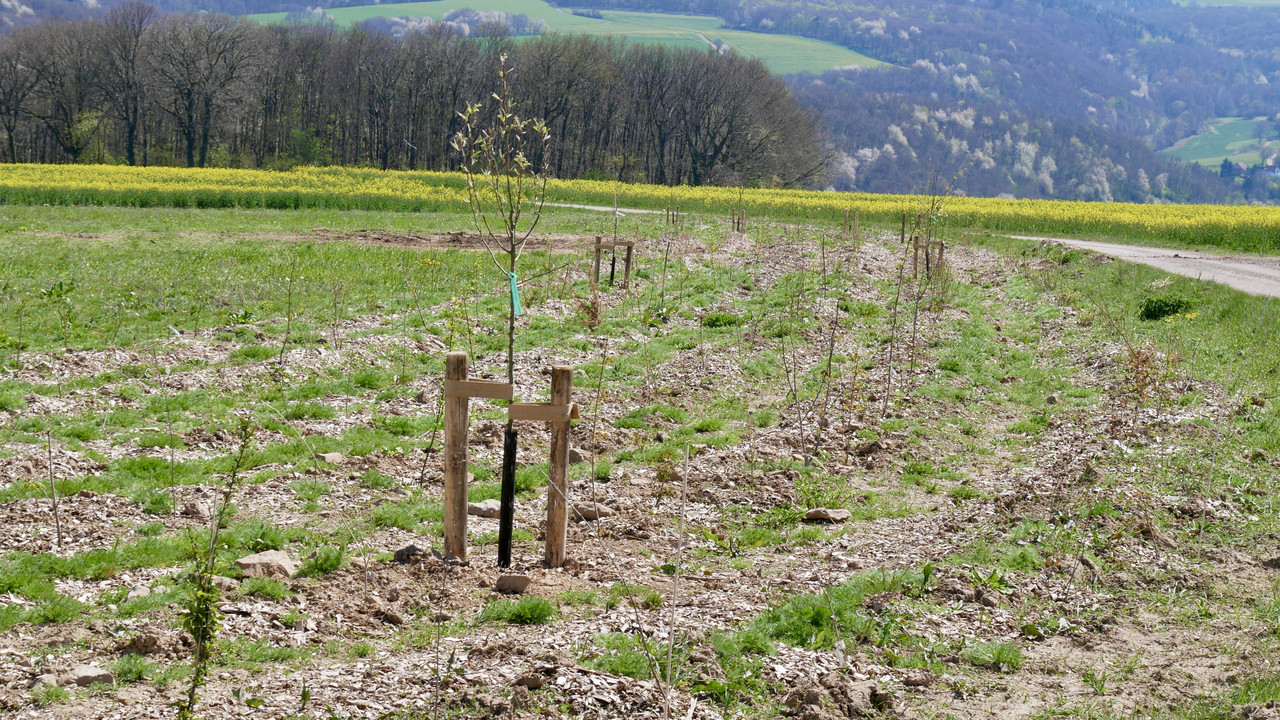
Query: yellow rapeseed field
<point x="1233" y="227"/>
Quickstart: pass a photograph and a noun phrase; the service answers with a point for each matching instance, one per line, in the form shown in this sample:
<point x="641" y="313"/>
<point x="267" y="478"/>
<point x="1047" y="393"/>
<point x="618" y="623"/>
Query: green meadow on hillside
<point x="783" y="54"/>
<point x="1231" y="138"/>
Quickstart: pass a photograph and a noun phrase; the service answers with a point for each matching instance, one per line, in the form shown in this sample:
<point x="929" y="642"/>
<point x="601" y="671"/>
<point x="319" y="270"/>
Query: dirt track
<point x="1246" y="273"/>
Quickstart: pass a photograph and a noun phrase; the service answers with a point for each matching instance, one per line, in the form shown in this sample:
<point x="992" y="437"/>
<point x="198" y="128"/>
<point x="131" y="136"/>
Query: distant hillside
<point x="1147" y="70"/>
<point x="780" y="53"/>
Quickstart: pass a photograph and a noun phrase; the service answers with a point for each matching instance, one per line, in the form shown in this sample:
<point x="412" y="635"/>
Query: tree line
<point x="140" y="87"/>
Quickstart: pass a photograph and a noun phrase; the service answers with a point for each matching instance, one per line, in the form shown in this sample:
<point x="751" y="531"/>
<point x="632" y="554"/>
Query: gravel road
<point x="1246" y="273"/>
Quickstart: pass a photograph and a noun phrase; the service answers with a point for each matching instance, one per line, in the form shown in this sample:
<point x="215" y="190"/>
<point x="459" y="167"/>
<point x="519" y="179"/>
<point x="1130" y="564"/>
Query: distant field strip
<point x="1244" y="228"/>
<point x="782" y="54"/>
<point x="1225" y="138"/>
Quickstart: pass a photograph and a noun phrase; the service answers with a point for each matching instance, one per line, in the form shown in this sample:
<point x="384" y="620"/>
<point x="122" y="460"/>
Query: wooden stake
<point x="915" y="256"/>
<point x="455" y="460"/>
<point x="844" y="226"/>
<point x="595" y="276"/>
<point x="855" y="223"/>
<point x="626" y="277"/>
<point x="558" y="485"/>
<point x="904" y="228"/>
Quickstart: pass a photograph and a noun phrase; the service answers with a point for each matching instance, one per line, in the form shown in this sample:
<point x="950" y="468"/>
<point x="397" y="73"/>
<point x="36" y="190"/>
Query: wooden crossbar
<point x="543" y="412"/>
<point x="474" y="388"/>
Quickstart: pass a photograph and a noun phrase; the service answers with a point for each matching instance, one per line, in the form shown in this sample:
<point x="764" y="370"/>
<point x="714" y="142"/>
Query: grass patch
<point x="530" y="610"/>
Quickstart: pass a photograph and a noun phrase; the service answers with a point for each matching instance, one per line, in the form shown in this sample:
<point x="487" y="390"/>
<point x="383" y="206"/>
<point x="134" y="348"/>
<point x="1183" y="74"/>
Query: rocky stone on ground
<point x="830" y="515"/>
<point x="407" y="553"/>
<point x="225" y="584"/>
<point x="195" y="510"/>
<point x="144" y="643"/>
<point x="86" y="675"/>
<point x="533" y="681"/>
<point x="268" y="564"/>
<point x="590" y="511"/>
<point x="512" y="584"/>
<point x="137" y="592"/>
<point x="486" y="508"/>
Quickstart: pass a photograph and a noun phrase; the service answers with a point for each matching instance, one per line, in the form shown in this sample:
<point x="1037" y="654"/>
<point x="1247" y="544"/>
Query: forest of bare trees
<point x="141" y="87"/>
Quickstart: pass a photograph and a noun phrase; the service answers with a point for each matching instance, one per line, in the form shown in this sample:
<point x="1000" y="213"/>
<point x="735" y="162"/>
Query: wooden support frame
<point x="458" y="391"/>
<point x="600" y="245"/>
<point x="931" y="261"/>
<point x="846" y="226"/>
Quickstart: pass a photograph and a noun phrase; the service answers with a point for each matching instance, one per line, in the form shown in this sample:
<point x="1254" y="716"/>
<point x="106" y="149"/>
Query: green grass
<point x="782" y="54"/>
<point x="1000" y="656"/>
<point x="1230" y="138"/>
<point x="529" y="610"/>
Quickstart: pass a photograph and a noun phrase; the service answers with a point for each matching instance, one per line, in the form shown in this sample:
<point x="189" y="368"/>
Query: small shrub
<point x="310" y="411"/>
<point x="369" y="379"/>
<point x="1001" y="656"/>
<point x="264" y="588"/>
<point x="720" y="319"/>
<point x="153" y="501"/>
<point x="1158" y="307"/>
<point x="57" y="609"/>
<point x="963" y="492"/>
<point x="252" y="353"/>
<point x="603" y="470"/>
<point x="375" y="480"/>
<point x="707" y="425"/>
<point x="578" y="597"/>
<point x="160" y="440"/>
<point x="12" y="400"/>
<point x="360" y="650"/>
<point x="326" y="560"/>
<point x="764" y="418"/>
<point x="151" y="529"/>
<point x="132" y="668"/>
<point x="45" y="695"/>
<point x="406" y="516"/>
<point x="1025" y="559"/>
<point x="638" y="595"/>
<point x="257" y="536"/>
<point x="291" y="618"/>
<point x="309" y="490"/>
<point x="623" y="654"/>
<point x="530" y="610"/>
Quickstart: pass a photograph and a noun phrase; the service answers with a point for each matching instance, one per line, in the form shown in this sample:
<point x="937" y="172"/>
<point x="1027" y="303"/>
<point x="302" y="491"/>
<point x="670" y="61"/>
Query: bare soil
<point x="1109" y="619"/>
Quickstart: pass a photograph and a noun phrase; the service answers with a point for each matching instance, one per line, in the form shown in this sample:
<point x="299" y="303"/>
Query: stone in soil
<point x="333" y="458"/>
<point x="590" y="511"/>
<point x="225" y="584"/>
<point x="270" y="564"/>
<point x="533" y="681"/>
<point x="407" y="553"/>
<point x="831" y="515"/>
<point x="195" y="510"/>
<point x="512" y="584"/>
<point x="486" y="509"/>
<point x="576" y="456"/>
<point x="143" y="643"/>
<point x="137" y="592"/>
<point x="86" y="675"/>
